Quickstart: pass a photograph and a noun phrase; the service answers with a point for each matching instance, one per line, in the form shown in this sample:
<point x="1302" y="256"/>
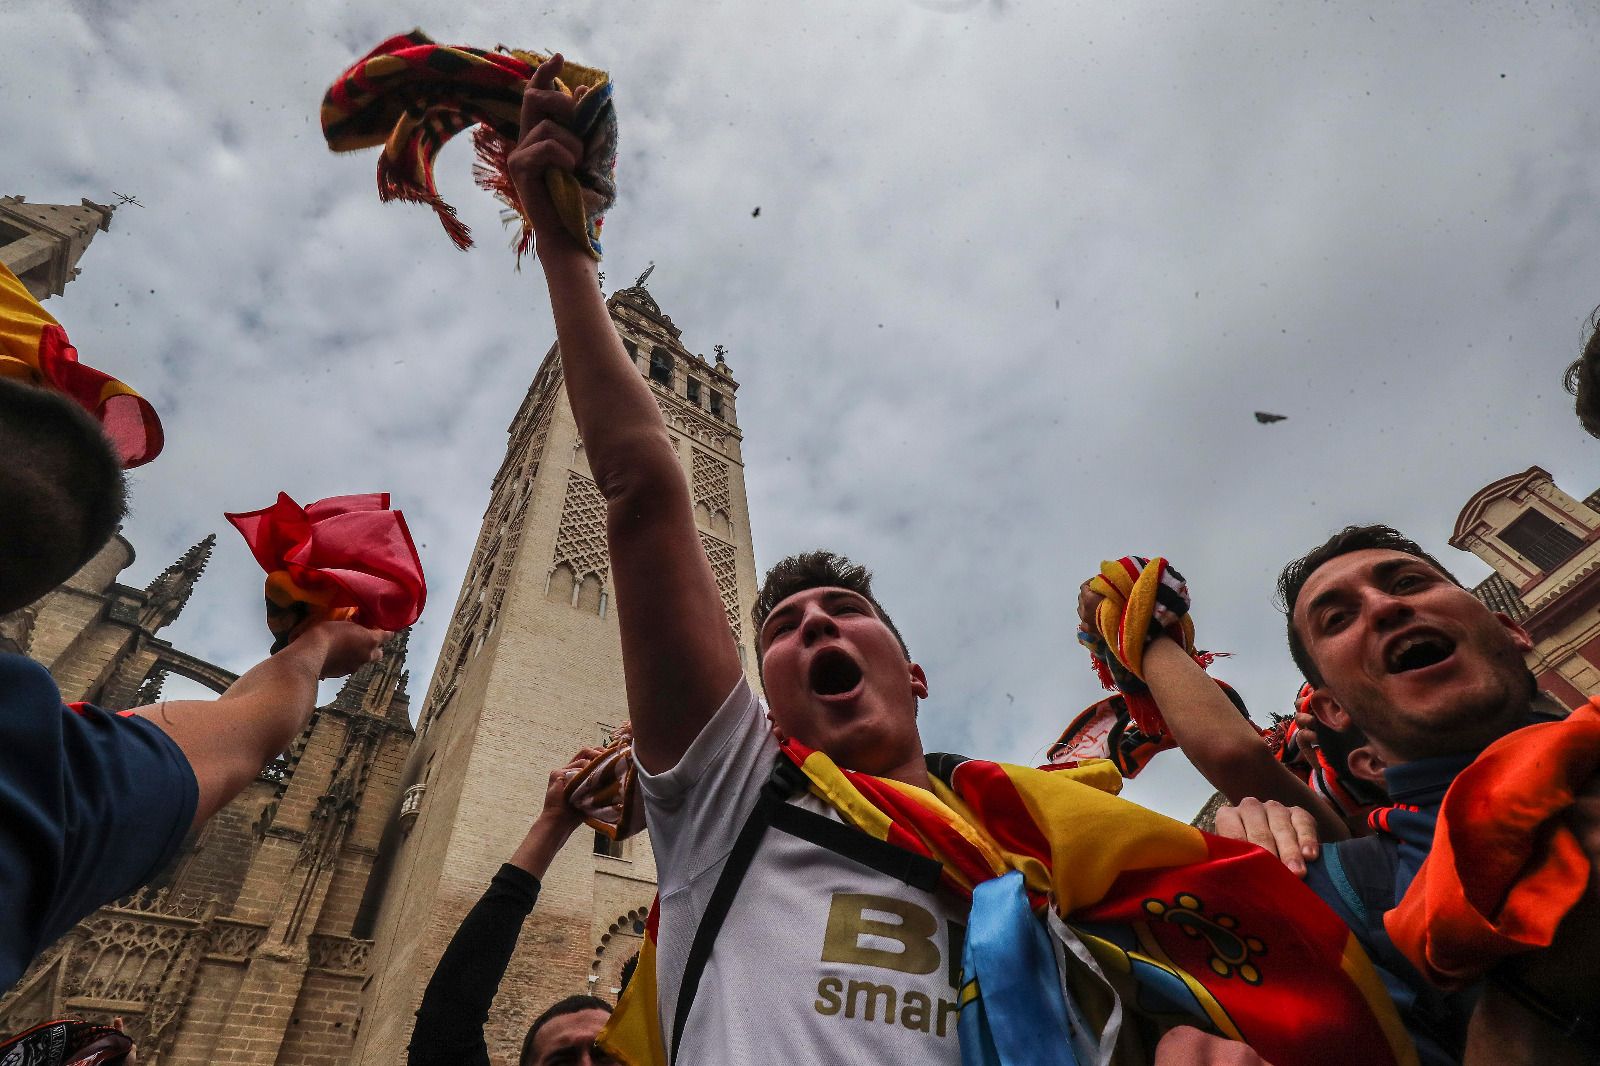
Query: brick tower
<point x="530" y="671"/>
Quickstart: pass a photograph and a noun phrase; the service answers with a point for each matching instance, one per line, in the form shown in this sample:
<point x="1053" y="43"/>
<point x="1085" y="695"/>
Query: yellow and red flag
<point x="1191" y="929"/>
<point x="34" y="348"/>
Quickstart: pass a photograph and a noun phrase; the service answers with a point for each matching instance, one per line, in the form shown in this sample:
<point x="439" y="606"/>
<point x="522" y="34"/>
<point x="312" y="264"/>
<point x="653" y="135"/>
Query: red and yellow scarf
<point x="1217" y="925"/>
<point x="411" y="96"/>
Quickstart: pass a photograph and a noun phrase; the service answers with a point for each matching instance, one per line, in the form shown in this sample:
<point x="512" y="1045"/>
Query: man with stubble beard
<point x="1398" y="650"/>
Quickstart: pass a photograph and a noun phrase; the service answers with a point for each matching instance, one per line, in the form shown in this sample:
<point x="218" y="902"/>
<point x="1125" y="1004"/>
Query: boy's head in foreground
<point x="62" y="491"/>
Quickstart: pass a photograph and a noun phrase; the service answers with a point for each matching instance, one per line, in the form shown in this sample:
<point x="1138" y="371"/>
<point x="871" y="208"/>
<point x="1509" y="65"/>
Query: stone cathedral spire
<point x="530" y="671"/>
<point x="42" y="243"/>
<point x="168" y="594"/>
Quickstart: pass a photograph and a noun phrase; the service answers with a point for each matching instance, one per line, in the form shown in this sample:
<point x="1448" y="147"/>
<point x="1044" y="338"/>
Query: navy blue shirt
<point x="92" y="806"/>
<point x="1363" y="879"/>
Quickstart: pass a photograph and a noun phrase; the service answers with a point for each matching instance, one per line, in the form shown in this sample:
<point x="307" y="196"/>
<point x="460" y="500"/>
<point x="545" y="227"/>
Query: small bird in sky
<point x="756" y="213"/>
<point x="1266" y="417"/>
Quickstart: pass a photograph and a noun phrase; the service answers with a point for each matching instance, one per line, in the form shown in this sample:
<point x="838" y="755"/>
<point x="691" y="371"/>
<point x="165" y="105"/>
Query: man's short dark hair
<point x="815" y="570"/>
<point x="1347" y="540"/>
<point x="1583" y="377"/>
<point x="62" y="490"/>
<point x="570" y="1005"/>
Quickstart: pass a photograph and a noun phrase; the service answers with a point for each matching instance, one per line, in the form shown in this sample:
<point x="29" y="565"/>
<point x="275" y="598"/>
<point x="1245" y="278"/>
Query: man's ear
<point x="1368" y="765"/>
<point x="1519" y="636"/>
<point x="1327" y="710"/>
<point x="919" y="682"/>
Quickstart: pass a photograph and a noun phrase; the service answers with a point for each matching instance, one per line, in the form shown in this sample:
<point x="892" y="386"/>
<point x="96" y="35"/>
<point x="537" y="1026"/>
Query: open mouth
<point x="1418" y="651"/>
<point x="834" y="673"/>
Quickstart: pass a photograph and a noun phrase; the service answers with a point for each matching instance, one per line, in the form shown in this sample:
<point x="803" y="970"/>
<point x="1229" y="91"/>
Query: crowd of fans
<point x="810" y="852"/>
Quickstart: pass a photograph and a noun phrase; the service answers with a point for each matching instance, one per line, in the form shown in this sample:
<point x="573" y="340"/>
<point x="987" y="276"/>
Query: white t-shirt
<point x="821" y="959"/>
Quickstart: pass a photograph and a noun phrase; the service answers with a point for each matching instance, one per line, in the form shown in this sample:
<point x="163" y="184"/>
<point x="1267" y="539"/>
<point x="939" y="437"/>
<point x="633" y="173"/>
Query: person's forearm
<point x="544" y="838"/>
<point x="282" y="690"/>
<point x="679" y="658"/>
<point x="1220" y="742"/>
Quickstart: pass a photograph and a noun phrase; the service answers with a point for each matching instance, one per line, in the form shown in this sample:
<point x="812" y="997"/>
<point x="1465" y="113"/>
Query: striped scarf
<point x="412" y="95"/>
<point x="34" y="349"/>
<point x="1140" y="600"/>
<point x="1189" y="929"/>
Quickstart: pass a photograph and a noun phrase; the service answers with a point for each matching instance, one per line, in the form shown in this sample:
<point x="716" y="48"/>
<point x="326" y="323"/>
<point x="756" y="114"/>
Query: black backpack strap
<point x="774" y="809"/>
<point x="918" y="871"/>
<point x="785" y="781"/>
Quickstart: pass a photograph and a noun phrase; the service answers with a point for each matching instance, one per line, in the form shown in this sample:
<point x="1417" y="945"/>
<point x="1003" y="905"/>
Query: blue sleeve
<point x="130" y="799"/>
<point x="92" y="806"/>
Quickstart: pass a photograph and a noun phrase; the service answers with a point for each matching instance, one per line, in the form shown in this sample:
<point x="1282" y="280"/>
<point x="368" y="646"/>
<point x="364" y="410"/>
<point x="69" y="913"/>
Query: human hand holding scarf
<point x="1129" y="603"/>
<point x="343" y="558"/>
<point x="412" y="95"/>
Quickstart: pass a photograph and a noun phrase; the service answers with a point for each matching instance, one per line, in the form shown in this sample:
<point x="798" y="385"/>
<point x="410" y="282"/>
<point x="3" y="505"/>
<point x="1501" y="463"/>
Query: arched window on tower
<point x="661" y="367"/>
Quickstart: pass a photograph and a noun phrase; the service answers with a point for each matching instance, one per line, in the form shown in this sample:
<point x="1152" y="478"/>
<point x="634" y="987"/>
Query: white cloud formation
<point x="1021" y="274"/>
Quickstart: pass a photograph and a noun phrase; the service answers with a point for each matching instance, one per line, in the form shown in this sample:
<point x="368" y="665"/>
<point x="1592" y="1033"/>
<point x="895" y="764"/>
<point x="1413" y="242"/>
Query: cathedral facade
<point x="252" y="946"/>
<point x="531" y="671"/>
<point x="248" y="948"/>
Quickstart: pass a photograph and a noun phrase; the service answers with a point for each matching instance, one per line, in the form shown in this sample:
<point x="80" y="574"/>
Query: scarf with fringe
<point x="412" y="95"/>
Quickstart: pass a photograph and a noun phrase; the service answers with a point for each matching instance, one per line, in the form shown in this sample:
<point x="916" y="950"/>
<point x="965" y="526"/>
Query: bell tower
<point x="530" y="671"/>
<point x="42" y="243"/>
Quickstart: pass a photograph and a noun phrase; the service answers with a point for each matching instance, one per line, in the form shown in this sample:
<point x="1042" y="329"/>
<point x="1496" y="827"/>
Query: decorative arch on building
<point x="1473" y="513"/>
<point x="173" y="661"/>
<point x="618" y="944"/>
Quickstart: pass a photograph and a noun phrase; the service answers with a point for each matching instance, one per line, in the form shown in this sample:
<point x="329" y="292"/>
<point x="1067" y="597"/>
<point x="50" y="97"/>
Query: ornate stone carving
<point x="411" y="804"/>
<point x="724" y="569"/>
<point x="233" y="939"/>
<point x="711" y="483"/>
<point x="690" y="421"/>
<point x="581" y="536"/>
<point x="16" y="629"/>
<point x="339" y="954"/>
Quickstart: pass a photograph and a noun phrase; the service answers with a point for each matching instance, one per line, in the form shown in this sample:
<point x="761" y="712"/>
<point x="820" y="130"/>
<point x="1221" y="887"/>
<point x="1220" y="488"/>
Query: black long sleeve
<point x="455" y="1006"/>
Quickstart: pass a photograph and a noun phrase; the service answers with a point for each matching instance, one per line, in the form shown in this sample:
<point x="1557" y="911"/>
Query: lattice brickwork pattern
<point x="727" y="575"/>
<point x="711" y="483"/>
<point x="686" y="419"/>
<point x="581" y="537"/>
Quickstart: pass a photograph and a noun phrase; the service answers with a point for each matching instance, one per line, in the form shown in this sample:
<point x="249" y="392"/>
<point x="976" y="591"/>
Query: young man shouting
<point x="814" y="903"/>
<point x="1396" y="648"/>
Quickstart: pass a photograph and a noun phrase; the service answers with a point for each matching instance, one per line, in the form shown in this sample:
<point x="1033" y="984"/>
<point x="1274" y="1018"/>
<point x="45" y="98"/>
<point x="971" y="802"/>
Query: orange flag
<point x="1504" y="869"/>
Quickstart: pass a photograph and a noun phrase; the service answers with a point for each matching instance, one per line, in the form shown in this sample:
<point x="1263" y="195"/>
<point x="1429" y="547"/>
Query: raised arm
<point x="1213" y="735"/>
<point x="229" y="739"/>
<point x="1224" y="747"/>
<point x="678" y="654"/>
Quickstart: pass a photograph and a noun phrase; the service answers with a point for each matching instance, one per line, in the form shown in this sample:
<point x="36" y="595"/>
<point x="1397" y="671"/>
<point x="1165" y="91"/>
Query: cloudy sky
<point x="1022" y="272"/>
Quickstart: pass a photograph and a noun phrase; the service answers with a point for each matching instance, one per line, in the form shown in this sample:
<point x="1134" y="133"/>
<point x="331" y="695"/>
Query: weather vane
<point x="647" y="272"/>
<point x="123" y="198"/>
